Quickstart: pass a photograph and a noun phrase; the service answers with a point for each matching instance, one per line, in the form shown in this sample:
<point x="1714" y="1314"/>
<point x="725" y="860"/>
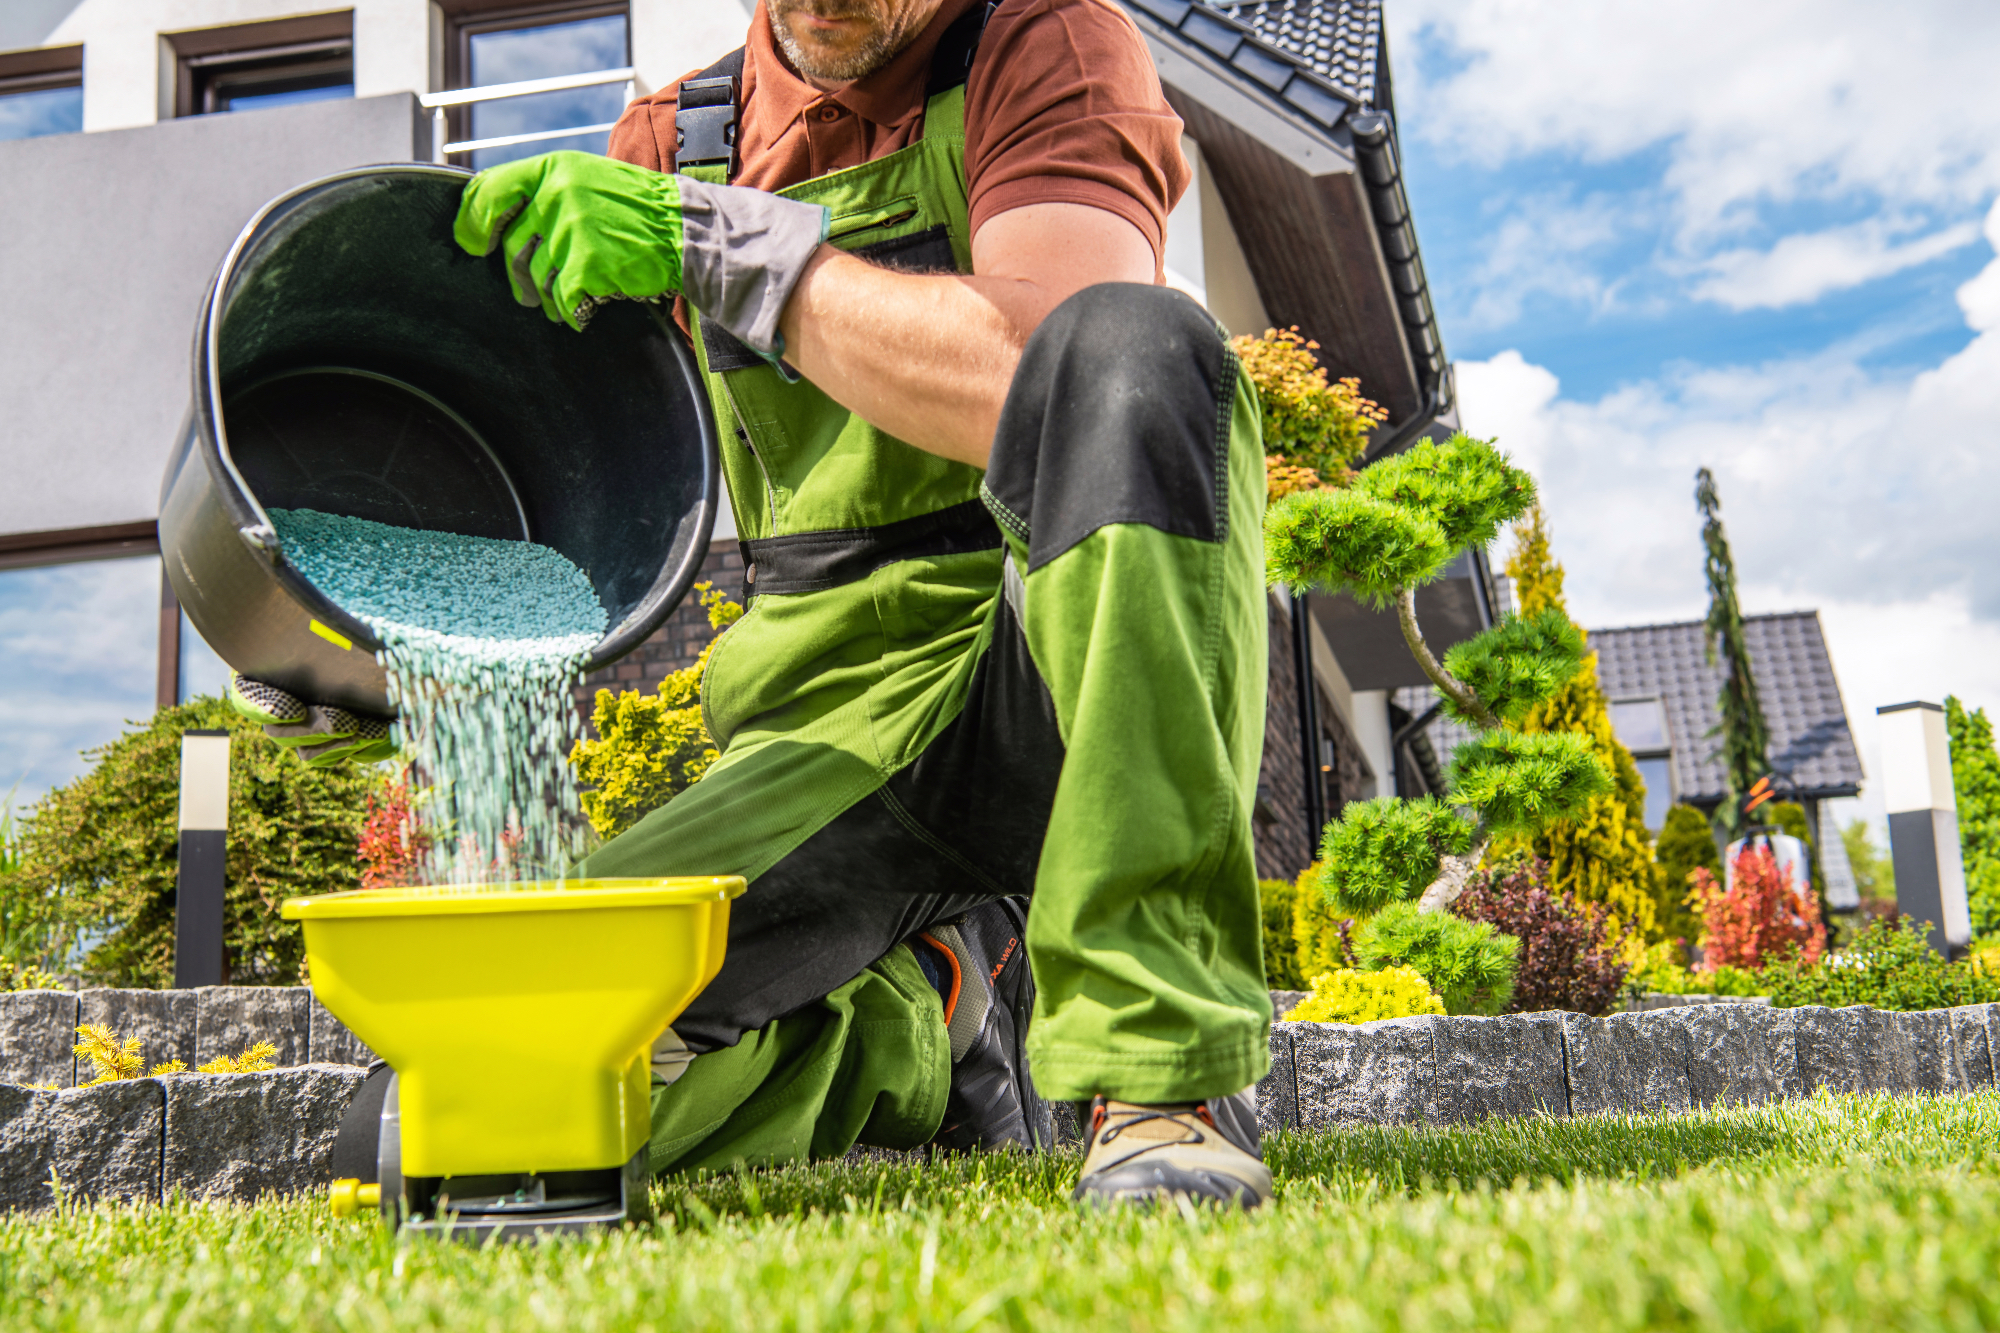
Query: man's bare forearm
<point x="929" y="358"/>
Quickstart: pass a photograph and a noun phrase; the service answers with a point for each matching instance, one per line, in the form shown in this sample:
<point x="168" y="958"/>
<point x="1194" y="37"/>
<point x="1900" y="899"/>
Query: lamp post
<point x="1923" y="822"/>
<point x="204" y="839"/>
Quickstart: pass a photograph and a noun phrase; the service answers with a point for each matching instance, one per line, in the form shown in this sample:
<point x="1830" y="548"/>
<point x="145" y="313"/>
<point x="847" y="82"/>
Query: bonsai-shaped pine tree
<point x="1604" y="854"/>
<point x="1745" y="739"/>
<point x="1397" y="863"/>
<point x="1975" y="782"/>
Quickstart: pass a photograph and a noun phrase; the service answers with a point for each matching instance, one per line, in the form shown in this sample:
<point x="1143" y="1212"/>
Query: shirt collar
<point x="890" y="97"/>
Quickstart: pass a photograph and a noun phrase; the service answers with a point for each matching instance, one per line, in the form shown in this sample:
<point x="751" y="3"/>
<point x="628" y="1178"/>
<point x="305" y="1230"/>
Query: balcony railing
<point x="441" y="103"/>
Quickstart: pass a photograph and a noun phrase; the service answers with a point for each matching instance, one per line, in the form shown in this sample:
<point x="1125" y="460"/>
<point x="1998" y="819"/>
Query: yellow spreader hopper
<point x="518" y="1019"/>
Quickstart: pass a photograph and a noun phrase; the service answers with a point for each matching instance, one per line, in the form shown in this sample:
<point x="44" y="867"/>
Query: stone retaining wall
<point x="235" y="1136"/>
<point x="1437" y="1071"/>
<point x="227" y="1136"/>
<point x="38" y="1028"/>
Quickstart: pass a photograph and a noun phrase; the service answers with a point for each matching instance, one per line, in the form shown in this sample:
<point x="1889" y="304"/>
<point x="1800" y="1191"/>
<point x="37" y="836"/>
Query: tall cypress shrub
<point x="1975" y="781"/>
<point x="1687" y="844"/>
<point x="1605" y="854"/>
<point x="1745" y="739"/>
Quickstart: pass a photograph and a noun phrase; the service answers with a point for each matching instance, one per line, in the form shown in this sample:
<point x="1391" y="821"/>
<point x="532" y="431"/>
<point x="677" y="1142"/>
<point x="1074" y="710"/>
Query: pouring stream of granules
<point x="483" y="641"/>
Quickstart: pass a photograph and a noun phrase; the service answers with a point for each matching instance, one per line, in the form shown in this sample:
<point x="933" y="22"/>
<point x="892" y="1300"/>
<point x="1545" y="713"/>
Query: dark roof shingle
<point x="1811" y="743"/>
<point x="1339" y="39"/>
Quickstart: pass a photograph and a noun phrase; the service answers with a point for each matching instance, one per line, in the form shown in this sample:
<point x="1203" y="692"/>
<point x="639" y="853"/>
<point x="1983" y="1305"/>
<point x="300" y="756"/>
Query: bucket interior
<point x="369" y="367"/>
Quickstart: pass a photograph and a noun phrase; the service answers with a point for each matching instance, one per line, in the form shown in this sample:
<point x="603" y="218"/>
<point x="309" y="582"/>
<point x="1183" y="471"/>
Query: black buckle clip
<point x="705" y="124"/>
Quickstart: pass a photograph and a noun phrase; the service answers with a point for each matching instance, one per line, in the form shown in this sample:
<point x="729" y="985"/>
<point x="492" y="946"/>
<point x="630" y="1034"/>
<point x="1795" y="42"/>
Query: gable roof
<point x="1811" y="744"/>
<point x="1289" y="101"/>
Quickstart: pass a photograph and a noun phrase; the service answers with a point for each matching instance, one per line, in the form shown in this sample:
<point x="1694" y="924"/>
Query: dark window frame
<point x="467" y="19"/>
<point x="307" y="47"/>
<point x="41" y="70"/>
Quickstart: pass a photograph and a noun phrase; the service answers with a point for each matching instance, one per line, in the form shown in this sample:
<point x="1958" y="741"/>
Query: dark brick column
<point x="1282" y="839"/>
<point x="675" y="644"/>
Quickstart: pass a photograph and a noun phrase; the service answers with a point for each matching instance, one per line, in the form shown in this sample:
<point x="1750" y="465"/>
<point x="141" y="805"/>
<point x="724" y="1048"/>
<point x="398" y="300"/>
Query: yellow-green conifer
<point x="1606" y="856"/>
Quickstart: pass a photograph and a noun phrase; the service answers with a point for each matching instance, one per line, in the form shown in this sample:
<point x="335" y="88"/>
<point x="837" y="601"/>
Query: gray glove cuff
<point x="742" y="252"/>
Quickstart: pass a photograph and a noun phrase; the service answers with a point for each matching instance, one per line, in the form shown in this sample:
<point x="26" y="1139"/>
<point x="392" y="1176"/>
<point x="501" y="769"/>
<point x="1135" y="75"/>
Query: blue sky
<point x="1760" y="238"/>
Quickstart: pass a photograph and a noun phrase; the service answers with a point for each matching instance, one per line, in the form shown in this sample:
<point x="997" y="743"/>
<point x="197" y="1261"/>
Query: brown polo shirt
<point x="1062" y="105"/>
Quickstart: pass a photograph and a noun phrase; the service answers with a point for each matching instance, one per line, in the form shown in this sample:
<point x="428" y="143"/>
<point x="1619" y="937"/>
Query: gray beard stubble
<point x="882" y="43"/>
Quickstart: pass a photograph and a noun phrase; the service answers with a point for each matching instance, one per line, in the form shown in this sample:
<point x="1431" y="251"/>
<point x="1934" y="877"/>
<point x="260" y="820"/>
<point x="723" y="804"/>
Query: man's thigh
<point x="961" y="825"/>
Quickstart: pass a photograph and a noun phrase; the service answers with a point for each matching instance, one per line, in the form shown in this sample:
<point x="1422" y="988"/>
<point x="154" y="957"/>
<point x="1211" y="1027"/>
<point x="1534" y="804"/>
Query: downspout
<point x="1315" y="802"/>
<point x="1382" y="175"/>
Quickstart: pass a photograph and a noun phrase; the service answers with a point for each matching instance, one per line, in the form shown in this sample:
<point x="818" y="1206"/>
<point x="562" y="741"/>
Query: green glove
<point x="320" y="734"/>
<point x="579" y="230"/>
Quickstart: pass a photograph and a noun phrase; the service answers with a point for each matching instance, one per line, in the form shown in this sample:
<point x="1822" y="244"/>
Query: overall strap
<point x="705" y="117"/>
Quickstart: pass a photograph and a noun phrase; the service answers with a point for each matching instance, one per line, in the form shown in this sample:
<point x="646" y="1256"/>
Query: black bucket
<point x="351" y="358"/>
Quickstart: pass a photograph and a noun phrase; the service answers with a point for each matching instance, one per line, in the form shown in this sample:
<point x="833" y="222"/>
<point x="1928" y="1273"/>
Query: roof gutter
<point x="1375" y="154"/>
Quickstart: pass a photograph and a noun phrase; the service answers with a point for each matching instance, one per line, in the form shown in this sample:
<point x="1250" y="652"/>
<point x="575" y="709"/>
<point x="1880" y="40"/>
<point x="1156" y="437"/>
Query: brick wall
<point x="1279" y="824"/>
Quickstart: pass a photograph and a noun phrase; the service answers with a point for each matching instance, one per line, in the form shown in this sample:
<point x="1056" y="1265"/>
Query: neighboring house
<point x="1297" y="216"/>
<point x="1662" y="693"/>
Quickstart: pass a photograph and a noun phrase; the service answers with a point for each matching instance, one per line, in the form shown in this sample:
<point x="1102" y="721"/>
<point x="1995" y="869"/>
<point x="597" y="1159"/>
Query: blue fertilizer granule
<point x="483" y="641"/>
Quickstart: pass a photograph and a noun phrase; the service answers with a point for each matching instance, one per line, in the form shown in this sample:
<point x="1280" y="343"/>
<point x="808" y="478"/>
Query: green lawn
<point x="1863" y="1213"/>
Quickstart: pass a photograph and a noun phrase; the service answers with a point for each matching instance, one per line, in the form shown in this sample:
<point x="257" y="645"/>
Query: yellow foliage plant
<point x="1349" y="996"/>
<point x="1313" y="429"/>
<point x="1319" y="932"/>
<point x="253" y="1059"/>
<point x="649" y="747"/>
<point x="115" y="1060"/>
<point x="1607" y="855"/>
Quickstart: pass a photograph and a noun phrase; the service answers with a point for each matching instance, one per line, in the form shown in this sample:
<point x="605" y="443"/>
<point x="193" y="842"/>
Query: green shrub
<point x="1468" y="963"/>
<point x="1348" y="996"/>
<point x="98" y="857"/>
<point x="1663" y="971"/>
<point x="1890" y="966"/>
<point x="1278" y="899"/>
<point x="1686" y="844"/>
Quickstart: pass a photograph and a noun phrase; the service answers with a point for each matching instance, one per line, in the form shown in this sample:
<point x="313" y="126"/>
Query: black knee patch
<point x="1119" y="413"/>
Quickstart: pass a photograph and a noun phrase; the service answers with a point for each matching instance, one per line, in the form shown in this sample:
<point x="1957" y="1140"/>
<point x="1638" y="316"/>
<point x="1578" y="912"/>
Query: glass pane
<point x="290" y="97"/>
<point x="202" y="672"/>
<point x="78" y="659"/>
<point x="544" y="52"/>
<point x="1641" y="724"/>
<point x="1659" y="779"/>
<point x="45" y="111"/>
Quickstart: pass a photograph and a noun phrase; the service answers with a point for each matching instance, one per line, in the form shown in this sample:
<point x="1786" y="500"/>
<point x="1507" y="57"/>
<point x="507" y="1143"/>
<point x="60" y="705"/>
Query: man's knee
<point x="1119" y="413"/>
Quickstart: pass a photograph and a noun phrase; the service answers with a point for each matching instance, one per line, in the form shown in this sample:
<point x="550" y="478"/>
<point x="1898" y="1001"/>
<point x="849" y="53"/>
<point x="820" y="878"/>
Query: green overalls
<point x="884" y="580"/>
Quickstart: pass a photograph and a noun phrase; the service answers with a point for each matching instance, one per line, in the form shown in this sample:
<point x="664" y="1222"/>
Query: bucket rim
<point x="549" y="895"/>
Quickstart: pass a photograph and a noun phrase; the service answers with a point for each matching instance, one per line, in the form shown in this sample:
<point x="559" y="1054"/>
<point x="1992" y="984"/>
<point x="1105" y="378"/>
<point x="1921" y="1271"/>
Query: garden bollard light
<point x="1923" y="823"/>
<point x="204" y="830"/>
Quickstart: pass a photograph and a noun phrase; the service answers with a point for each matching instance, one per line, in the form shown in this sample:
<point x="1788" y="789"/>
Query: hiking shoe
<point x="1205" y="1151"/>
<point x="981" y="962"/>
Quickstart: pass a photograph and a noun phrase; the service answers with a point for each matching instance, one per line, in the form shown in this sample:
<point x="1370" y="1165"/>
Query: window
<point x="41" y="92"/>
<point x="1641" y="727"/>
<point x="490" y="48"/>
<point x="252" y="66"/>
<point x="77" y="662"/>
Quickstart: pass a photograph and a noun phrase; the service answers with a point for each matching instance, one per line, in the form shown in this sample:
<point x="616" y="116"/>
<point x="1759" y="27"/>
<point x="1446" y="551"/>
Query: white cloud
<point x="1545" y="244"/>
<point x="1755" y="108"/>
<point x="1802" y="268"/>
<point x="1866" y="496"/>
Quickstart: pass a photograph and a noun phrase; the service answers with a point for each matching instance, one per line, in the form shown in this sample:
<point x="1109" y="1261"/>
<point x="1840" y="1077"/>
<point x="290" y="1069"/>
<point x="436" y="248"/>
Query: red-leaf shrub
<point x="393" y="840"/>
<point x="1569" y="955"/>
<point x="1759" y="919"/>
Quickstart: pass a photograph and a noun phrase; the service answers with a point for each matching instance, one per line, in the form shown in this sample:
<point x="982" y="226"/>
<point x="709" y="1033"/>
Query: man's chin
<point x="860" y="52"/>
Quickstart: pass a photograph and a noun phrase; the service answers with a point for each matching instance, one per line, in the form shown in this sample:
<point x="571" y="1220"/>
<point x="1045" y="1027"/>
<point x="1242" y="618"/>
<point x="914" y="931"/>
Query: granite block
<point x="107" y="1140"/>
<point x="230" y="1018"/>
<point x="239" y="1136"/>
<point x="27" y="1146"/>
<point x="1069" y="1128"/>
<point x="1506" y="1066"/>
<point x="1738" y="1053"/>
<point x="1278" y="1091"/>
<point x="162" y="1020"/>
<point x="328" y="1042"/>
<point x="1856" y="1049"/>
<point x="1284" y="1001"/>
<point x="1971" y="1036"/>
<point x="1368" y="1074"/>
<point x="1634" y="1063"/>
<point x="37" y="1030"/>
<point x="1935" y="1061"/>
